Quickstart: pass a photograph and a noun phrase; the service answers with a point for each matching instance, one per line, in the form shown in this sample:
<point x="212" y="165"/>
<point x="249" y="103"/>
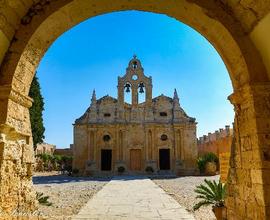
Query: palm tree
<point x="210" y="193"/>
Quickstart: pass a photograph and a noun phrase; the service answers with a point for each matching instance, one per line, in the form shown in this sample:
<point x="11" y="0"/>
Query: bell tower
<point x="134" y="81"/>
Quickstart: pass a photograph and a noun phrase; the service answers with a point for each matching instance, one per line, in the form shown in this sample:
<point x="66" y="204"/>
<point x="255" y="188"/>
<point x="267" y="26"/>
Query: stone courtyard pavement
<point x="132" y="198"/>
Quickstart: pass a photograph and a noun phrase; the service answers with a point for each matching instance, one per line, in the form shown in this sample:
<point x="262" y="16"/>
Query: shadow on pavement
<point x="59" y="179"/>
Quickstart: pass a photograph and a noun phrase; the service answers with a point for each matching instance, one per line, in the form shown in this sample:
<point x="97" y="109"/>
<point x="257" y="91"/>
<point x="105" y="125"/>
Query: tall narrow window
<point x="163" y="114"/>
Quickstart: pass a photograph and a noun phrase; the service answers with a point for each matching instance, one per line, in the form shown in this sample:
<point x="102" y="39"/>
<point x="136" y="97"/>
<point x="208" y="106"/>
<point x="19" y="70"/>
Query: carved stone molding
<point x="249" y="91"/>
<point x="7" y="92"/>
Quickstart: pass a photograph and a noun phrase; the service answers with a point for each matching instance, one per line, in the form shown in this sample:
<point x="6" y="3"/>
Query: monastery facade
<point x="155" y="133"/>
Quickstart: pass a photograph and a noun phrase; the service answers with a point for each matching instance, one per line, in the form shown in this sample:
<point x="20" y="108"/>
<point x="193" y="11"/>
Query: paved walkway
<point x="132" y="198"/>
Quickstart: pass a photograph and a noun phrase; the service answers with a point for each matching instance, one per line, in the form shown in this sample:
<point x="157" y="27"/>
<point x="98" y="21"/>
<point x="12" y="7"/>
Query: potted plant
<point x="121" y="169"/>
<point x="212" y="193"/>
<point x="207" y="164"/>
<point x="75" y="172"/>
<point x="211" y="163"/>
<point x="201" y="164"/>
<point x="149" y="170"/>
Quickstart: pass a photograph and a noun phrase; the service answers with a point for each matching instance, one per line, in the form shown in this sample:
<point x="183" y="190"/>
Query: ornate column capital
<point x="248" y="92"/>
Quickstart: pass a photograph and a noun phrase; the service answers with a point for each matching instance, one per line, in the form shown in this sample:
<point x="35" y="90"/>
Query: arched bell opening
<point x="128" y="93"/>
<point x="141" y="93"/>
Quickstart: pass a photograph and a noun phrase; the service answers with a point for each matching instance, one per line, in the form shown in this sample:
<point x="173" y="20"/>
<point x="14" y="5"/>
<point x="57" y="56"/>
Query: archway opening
<point x="168" y="68"/>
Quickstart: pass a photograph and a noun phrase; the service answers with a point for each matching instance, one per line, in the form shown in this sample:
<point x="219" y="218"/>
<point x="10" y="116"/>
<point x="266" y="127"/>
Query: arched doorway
<point x="37" y="27"/>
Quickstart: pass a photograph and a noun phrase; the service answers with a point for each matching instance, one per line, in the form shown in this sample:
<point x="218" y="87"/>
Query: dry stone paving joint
<point x="131" y="198"/>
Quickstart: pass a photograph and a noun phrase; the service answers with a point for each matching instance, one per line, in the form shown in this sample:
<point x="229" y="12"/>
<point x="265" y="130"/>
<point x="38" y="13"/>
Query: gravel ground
<point x="68" y="194"/>
<point x="182" y="190"/>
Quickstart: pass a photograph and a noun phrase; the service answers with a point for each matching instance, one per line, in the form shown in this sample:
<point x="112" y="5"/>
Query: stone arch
<point x="39" y="25"/>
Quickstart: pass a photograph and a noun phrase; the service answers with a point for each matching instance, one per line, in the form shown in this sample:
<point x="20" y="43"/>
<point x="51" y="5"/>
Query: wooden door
<point x="164" y="159"/>
<point x="135" y="160"/>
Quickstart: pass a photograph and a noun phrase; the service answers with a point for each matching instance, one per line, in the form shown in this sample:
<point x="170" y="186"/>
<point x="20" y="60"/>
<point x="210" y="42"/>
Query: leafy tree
<point x="36" y="110"/>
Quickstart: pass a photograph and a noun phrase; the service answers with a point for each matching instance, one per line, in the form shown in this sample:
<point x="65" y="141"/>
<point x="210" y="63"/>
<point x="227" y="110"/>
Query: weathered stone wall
<point x="16" y="155"/>
<point x="45" y="148"/>
<point x="88" y="150"/>
<point x="218" y="142"/>
<point x="80" y="141"/>
<point x="248" y="182"/>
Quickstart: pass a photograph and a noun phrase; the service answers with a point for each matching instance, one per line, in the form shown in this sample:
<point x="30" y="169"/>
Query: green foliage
<point x="67" y="159"/>
<point x="210" y="193"/>
<point x="149" y="169"/>
<point x="209" y="157"/>
<point x="36" y="110"/>
<point x="75" y="171"/>
<point x="54" y="162"/>
<point x="57" y="158"/>
<point x="43" y="200"/>
<point x="201" y="164"/>
<point x="44" y="157"/>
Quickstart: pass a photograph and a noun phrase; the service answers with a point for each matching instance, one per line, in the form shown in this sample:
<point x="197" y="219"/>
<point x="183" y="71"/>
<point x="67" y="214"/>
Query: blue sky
<point x="92" y="54"/>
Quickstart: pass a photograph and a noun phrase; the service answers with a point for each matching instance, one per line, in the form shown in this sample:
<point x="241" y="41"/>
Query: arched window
<point x="106" y="138"/>
<point x="163" y="114"/>
<point x="107" y="115"/>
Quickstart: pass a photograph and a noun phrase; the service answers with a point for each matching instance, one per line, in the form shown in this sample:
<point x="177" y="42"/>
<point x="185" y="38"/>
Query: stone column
<point x="91" y="145"/>
<point x="120" y="145"/>
<point x="120" y="88"/>
<point x="181" y="145"/>
<point x="134" y="94"/>
<point x="177" y="144"/>
<point x="249" y="174"/>
<point x="148" y="96"/>
<point x="150" y="147"/>
<point x="16" y="153"/>
<point x="96" y="148"/>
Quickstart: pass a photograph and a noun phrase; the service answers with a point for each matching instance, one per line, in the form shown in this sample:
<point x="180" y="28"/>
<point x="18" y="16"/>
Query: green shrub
<point x="43" y="200"/>
<point x="209" y="157"/>
<point x="210" y="193"/>
<point x="201" y="164"/>
<point x="75" y="171"/>
<point x="149" y="169"/>
<point x="121" y="169"/>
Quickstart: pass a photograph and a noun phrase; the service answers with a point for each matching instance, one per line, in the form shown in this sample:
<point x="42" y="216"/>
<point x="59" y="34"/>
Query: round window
<point x="164" y="137"/>
<point x="134" y="77"/>
<point x="106" y="138"/>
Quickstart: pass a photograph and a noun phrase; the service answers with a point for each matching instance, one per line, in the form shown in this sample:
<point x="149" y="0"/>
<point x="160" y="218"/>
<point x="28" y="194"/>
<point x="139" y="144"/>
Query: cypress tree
<point x="36" y="110"/>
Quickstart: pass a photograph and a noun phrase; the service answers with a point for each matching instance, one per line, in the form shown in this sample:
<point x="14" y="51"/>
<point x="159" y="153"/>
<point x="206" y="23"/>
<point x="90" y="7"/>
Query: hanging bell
<point x="141" y="88"/>
<point x="127" y="88"/>
<point x="135" y="65"/>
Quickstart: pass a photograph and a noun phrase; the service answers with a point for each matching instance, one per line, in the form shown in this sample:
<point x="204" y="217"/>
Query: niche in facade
<point x="106" y="138"/>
